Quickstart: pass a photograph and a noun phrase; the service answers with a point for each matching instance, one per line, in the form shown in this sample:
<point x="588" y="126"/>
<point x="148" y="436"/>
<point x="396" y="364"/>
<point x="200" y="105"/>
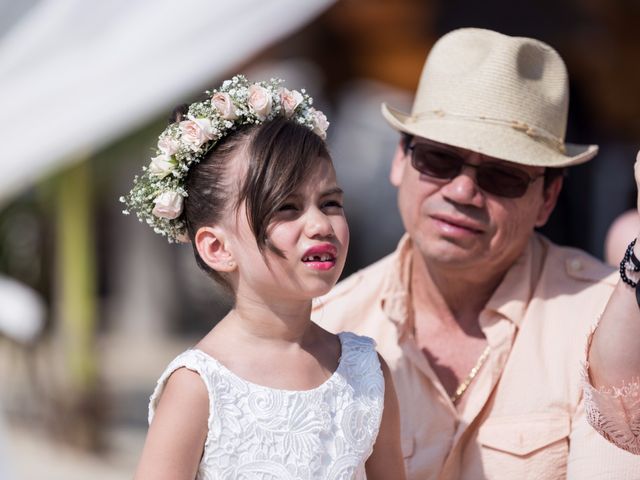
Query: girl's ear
<point x="212" y="248"/>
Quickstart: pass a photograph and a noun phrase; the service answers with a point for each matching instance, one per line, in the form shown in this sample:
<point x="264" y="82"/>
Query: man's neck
<point x="453" y="296"/>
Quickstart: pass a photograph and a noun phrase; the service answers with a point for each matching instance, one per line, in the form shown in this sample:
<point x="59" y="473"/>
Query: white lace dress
<point x="257" y="432"/>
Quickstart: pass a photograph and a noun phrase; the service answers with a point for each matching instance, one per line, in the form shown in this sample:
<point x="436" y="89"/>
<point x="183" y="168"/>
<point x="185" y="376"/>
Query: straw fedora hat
<point x="503" y="96"/>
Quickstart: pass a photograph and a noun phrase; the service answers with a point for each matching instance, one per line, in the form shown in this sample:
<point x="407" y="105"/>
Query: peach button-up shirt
<point x="523" y="415"/>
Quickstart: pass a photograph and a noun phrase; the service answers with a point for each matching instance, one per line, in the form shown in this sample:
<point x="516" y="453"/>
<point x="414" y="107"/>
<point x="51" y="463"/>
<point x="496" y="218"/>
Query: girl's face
<point x="311" y="231"/>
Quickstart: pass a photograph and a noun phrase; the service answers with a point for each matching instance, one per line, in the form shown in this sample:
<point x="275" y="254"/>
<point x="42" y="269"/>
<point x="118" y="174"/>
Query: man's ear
<point x="398" y="164"/>
<point x="550" y="198"/>
<point x="212" y="248"/>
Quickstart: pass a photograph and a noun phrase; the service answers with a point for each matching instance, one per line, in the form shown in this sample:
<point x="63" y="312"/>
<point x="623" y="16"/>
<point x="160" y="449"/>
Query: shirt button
<point x="575" y="265"/>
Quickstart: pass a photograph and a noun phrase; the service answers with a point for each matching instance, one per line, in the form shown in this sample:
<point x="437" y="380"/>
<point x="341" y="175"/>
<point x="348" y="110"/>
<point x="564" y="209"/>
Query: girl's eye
<point x="287" y="207"/>
<point x="332" y="204"/>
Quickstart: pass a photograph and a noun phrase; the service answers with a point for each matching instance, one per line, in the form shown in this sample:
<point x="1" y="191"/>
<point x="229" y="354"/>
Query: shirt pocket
<point x="525" y="446"/>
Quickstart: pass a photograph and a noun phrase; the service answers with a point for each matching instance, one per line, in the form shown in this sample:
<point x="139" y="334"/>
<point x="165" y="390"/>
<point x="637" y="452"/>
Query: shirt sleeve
<point x="614" y="412"/>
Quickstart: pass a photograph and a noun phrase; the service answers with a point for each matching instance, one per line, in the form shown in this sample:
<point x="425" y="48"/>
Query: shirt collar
<point x="512" y="297"/>
<point x="510" y="300"/>
<point x="394" y="300"/>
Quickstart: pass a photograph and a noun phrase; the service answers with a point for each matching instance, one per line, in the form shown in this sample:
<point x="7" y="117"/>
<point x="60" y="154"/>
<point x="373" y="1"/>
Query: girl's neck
<point x="287" y="322"/>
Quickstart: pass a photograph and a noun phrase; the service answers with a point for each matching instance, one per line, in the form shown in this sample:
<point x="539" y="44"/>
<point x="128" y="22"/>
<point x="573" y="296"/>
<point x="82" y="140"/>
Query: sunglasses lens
<point x="495" y="179"/>
<point x="501" y="181"/>
<point x="435" y="162"/>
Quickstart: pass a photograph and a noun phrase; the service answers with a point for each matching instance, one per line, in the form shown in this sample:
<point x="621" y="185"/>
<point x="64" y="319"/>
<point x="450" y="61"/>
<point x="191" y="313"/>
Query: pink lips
<point x="320" y="257"/>
<point x="457" y="226"/>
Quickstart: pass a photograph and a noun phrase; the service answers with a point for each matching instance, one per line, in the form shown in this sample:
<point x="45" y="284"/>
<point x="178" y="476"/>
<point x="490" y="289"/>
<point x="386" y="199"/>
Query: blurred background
<point x="93" y="305"/>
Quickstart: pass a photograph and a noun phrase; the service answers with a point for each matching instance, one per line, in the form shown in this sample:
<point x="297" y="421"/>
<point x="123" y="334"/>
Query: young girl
<point x="246" y="177"/>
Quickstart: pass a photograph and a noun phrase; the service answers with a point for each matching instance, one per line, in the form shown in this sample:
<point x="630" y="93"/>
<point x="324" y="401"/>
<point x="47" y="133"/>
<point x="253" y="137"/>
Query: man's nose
<point x="463" y="188"/>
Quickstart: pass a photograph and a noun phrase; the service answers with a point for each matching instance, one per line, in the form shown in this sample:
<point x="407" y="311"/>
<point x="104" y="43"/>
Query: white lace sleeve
<point x="614" y="412"/>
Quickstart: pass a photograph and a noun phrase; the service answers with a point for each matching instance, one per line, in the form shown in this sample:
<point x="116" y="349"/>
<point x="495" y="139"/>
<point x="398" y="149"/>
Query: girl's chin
<point x="318" y="290"/>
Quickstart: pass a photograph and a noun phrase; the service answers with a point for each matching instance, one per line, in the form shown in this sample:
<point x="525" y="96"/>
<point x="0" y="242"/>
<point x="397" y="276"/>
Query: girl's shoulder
<point x="194" y="360"/>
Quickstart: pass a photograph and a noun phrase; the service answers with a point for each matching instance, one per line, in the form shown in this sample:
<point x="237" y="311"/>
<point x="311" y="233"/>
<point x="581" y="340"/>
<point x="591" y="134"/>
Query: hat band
<point x="537" y="133"/>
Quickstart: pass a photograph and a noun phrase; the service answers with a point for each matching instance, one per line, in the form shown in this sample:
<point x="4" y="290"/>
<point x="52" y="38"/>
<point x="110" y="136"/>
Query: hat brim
<point x="495" y="140"/>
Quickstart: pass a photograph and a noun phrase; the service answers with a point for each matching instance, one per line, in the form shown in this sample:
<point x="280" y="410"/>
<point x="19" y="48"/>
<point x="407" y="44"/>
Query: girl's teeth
<point x="318" y="258"/>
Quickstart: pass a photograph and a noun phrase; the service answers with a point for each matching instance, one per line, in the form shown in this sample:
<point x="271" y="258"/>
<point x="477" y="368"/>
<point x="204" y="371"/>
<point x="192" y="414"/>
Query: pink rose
<point x="224" y="105"/>
<point x="196" y="131"/>
<point x="290" y="100"/>
<point x="168" y="145"/>
<point x="161" y="166"/>
<point x="259" y="101"/>
<point x="320" y="123"/>
<point x="168" y="205"/>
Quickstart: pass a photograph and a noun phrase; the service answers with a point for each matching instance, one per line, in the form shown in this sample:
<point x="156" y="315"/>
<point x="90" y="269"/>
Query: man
<point x="482" y="321"/>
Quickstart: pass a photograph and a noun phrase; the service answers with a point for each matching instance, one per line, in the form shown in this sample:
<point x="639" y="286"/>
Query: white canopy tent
<point x="76" y="74"/>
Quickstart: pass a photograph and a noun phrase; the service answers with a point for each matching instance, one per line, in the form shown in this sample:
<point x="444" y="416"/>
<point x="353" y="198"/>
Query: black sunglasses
<point x="494" y="178"/>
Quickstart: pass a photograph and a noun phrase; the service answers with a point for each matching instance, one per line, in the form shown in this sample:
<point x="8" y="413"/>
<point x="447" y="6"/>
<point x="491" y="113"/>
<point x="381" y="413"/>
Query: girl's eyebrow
<point x="332" y="191"/>
<point x="326" y="193"/>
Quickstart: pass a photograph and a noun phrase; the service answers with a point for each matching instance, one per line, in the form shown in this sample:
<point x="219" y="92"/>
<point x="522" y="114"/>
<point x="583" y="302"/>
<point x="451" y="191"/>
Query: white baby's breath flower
<point x="168" y="205"/>
<point x="183" y="238"/>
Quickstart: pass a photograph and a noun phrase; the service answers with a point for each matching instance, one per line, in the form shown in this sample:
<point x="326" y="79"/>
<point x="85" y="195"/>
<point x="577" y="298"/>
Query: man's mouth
<point x="458" y="224"/>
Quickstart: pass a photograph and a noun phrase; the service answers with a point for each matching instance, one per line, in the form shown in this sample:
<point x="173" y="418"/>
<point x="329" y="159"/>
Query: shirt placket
<point x="500" y="333"/>
<point x="420" y="362"/>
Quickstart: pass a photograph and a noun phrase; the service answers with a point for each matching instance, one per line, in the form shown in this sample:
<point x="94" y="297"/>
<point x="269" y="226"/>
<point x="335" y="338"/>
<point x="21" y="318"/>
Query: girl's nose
<point x="318" y="224"/>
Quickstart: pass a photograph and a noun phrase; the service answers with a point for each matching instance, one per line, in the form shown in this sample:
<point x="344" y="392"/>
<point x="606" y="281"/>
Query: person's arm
<point x="613" y="398"/>
<point x="176" y="436"/>
<point x="385" y="462"/>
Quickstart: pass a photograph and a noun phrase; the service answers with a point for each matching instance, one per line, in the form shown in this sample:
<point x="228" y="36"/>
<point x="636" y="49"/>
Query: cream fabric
<point x="76" y="75"/>
<point x="523" y="416"/>
<point x="262" y="433"/>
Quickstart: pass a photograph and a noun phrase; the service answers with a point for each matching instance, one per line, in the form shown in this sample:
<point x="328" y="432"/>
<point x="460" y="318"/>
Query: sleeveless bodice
<point x="256" y="432"/>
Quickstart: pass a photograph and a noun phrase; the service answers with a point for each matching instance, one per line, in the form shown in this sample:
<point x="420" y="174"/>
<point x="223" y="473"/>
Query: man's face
<point x="455" y="223"/>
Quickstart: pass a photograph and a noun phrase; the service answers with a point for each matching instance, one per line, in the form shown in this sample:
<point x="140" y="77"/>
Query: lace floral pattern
<point x="257" y="432"/>
<point x="614" y="412"/>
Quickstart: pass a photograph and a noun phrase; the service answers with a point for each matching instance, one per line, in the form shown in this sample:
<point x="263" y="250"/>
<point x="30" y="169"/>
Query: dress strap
<point x="361" y="365"/>
<point x="196" y="361"/>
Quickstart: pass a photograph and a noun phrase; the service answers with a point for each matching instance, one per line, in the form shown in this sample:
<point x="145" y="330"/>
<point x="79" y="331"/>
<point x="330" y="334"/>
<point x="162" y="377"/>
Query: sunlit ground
<point x="129" y="375"/>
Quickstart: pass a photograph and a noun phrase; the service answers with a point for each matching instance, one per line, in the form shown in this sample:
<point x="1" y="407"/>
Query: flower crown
<point x="157" y="196"/>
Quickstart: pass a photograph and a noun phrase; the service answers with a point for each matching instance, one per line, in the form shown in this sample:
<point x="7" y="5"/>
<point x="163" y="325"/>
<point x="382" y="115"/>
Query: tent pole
<point x="77" y="319"/>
